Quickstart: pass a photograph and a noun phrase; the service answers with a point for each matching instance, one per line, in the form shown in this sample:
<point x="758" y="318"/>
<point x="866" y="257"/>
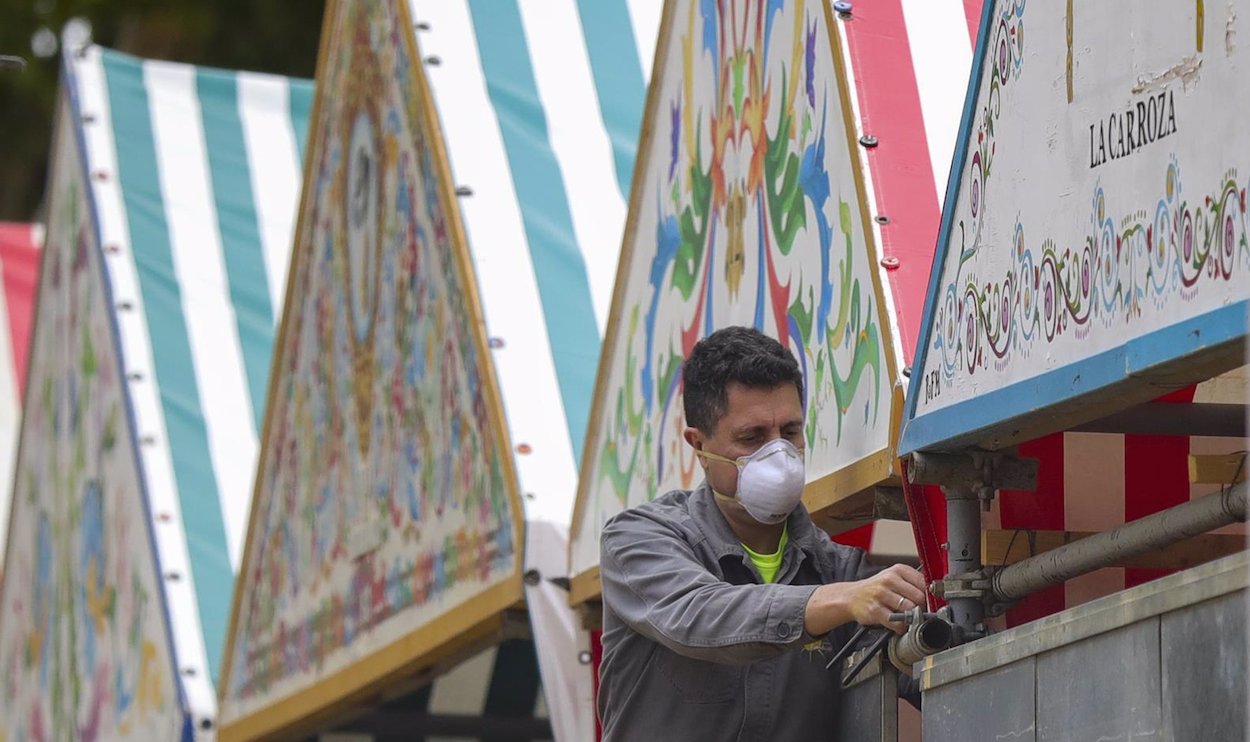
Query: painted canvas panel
<point x="1099" y="223"/>
<point x="385" y="504"/>
<point x="84" y="644"/>
<point x="747" y="209"/>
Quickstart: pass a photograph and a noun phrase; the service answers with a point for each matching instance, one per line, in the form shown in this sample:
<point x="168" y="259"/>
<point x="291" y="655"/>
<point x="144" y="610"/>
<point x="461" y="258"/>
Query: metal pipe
<point x="963" y="549"/>
<point x="1129" y="540"/>
<point x="930" y="636"/>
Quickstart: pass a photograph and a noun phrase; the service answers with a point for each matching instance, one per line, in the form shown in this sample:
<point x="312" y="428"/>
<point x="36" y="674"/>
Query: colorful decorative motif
<point x="1126" y="267"/>
<point x="749" y="214"/>
<point x="84" y="648"/>
<point x="383" y="485"/>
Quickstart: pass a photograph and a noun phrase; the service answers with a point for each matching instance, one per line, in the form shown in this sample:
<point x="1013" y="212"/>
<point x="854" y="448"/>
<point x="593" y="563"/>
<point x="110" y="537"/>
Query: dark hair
<point x="733" y="354"/>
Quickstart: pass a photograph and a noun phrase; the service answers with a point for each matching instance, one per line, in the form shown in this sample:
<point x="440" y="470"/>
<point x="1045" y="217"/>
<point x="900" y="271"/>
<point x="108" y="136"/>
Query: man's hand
<point x="869" y="602"/>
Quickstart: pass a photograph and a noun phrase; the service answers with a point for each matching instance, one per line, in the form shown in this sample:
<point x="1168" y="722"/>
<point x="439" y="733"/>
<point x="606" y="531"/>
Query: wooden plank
<point x="1217" y="469"/>
<point x="1008" y="546"/>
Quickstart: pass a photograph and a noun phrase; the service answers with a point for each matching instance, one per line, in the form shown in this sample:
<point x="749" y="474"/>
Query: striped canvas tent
<point x="19" y="271"/>
<point x="541" y="105"/>
<point x="821" y="232"/>
<point x="170" y="208"/>
<point x="1058" y="300"/>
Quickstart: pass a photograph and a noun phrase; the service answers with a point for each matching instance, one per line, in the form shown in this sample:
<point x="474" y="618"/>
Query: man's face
<point x="753" y="417"/>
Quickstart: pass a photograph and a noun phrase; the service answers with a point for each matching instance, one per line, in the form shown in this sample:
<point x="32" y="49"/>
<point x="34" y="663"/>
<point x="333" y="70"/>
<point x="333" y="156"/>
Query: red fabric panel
<point x="860" y="537"/>
<point x="596" y="659"/>
<point x="1156" y="477"/>
<point x="926" y="508"/>
<point x="1041" y="510"/>
<point x="972" y="9"/>
<point x="20" y="258"/>
<point x="902" y="174"/>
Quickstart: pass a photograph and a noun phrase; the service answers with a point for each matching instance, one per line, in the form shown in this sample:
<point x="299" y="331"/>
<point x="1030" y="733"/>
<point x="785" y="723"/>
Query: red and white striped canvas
<point x="19" y="270"/>
<point x="909" y="62"/>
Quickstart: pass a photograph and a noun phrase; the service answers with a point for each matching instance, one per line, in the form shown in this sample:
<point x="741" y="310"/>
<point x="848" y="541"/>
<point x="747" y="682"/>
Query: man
<point x="719" y="604"/>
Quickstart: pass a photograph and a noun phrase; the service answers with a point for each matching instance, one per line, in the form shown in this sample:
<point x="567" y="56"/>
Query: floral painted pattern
<point x="84" y="649"/>
<point x="383" y="489"/>
<point x="749" y="215"/>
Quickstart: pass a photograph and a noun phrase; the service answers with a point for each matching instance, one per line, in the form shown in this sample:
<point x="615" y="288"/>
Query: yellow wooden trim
<point x="422" y="646"/>
<point x="1218" y="469"/>
<point x="585" y="587"/>
<point x="303" y="711"/>
<point x="1008" y="546"/>
<point x="822" y="494"/>
<point x="591" y="442"/>
<point x="295" y="269"/>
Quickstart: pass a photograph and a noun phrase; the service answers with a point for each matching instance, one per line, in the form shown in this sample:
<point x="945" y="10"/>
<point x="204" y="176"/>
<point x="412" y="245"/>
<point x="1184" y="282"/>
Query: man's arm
<point x="655" y="584"/>
<point x="869" y="601"/>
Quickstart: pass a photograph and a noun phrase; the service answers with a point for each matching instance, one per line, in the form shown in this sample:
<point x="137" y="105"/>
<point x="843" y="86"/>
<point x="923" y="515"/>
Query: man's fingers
<point x="902" y="587"/>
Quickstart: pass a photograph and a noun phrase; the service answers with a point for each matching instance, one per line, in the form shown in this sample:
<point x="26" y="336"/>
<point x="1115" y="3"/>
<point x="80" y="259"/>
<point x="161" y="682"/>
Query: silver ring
<point x="901" y="600"/>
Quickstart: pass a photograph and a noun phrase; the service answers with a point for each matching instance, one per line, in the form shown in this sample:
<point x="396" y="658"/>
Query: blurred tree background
<point x="279" y="36"/>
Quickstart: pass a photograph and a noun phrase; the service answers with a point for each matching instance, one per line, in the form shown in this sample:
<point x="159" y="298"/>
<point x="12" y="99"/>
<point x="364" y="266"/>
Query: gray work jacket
<point x="695" y="647"/>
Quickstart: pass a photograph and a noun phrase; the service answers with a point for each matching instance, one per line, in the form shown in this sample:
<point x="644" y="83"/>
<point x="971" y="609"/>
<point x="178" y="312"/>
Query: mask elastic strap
<point x="717" y="457"/>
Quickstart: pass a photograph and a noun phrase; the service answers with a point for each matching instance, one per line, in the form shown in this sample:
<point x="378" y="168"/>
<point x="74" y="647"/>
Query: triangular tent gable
<point x="155" y="318"/>
<point x="386" y="527"/>
<point x="1093" y="252"/>
<point x="786" y="181"/>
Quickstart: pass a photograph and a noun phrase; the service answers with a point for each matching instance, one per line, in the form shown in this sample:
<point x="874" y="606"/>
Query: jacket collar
<point x="708" y="518"/>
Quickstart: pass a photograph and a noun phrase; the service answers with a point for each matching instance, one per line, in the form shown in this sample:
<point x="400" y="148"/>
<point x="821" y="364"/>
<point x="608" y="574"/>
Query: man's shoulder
<point x="666" y="511"/>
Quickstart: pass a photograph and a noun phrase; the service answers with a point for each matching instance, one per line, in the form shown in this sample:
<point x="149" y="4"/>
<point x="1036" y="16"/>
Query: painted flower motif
<point x="674" y="137"/>
<point x="809" y="58"/>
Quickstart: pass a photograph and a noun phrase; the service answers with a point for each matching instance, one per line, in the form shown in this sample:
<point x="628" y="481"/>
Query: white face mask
<point x="770" y="481"/>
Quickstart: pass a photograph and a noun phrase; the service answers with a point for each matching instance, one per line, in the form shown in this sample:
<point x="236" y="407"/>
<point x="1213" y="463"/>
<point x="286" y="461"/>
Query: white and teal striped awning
<point x="541" y="104"/>
<point x="195" y="175"/>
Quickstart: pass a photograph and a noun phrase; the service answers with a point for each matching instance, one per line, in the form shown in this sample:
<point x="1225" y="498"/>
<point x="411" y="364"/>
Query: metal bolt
<point x="583" y="657"/>
<point x="843" y="9"/>
<point x="532" y="577"/>
<point x="868" y="141"/>
<point x="464" y="191"/>
<point x="124" y="306"/>
<point x="148" y="440"/>
<point x="88" y="118"/>
<point x="495" y="343"/>
<point x="890" y="263"/>
<point x="423" y="26"/>
<point x="907" y="371"/>
<point x="433" y="60"/>
<point x="100" y="176"/>
<point x="164" y="517"/>
<point x="188" y="671"/>
<point x="524" y="448"/>
<point x="134" y="376"/>
<point x="881" y="219"/>
<point x="112" y="249"/>
<point x="173" y="576"/>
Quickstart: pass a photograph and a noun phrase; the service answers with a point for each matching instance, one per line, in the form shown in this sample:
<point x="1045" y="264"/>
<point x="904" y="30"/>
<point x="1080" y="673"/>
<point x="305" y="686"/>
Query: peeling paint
<point x="1186" y="71"/>
<point x="1229" y="29"/>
